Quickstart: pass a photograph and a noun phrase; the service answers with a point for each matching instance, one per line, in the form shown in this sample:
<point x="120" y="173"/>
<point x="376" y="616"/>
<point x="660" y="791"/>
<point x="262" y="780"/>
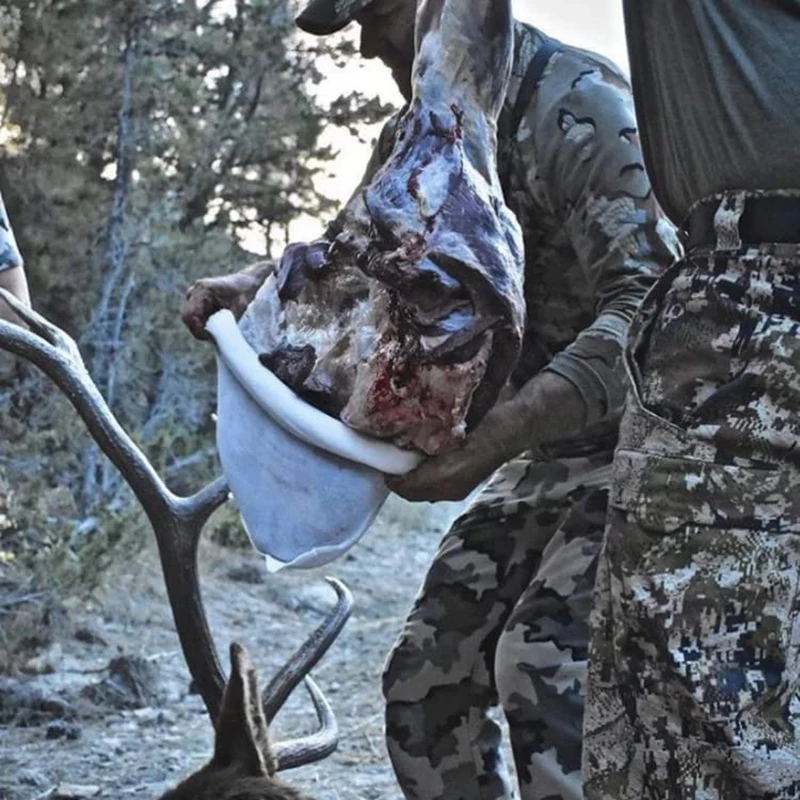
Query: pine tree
<point x="141" y="141"/>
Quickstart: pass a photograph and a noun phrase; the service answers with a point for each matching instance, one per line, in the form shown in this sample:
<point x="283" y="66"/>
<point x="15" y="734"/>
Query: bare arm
<point x="547" y="408"/>
<point x="15" y="281"/>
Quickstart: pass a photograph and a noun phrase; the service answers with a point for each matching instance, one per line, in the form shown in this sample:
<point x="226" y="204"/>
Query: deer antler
<point x="296" y="752"/>
<point x="177" y="523"/>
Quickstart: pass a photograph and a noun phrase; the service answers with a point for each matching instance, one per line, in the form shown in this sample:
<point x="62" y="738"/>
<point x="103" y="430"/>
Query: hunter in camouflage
<point x="694" y="684"/>
<point x="502" y="616"/>
<point x="695" y="667"/>
<point x="503" y="613"/>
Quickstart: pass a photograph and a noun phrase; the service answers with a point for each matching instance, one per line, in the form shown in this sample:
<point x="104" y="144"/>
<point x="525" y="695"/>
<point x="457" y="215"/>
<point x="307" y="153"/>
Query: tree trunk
<point x="104" y="335"/>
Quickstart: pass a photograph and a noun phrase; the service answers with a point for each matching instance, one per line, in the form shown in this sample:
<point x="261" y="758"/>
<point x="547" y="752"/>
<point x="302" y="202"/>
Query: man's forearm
<point x="14" y="281"/>
<point x="549" y="408"/>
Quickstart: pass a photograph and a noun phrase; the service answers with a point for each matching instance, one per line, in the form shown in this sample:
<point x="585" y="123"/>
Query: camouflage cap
<point x="322" y="17"/>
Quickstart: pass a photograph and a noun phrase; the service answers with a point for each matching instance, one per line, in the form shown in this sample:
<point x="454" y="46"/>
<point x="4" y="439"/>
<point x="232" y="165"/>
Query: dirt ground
<point x="60" y="737"/>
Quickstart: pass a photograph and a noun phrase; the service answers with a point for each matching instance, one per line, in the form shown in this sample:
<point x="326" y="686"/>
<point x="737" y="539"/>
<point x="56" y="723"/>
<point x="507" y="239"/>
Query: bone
<point x="464" y="57"/>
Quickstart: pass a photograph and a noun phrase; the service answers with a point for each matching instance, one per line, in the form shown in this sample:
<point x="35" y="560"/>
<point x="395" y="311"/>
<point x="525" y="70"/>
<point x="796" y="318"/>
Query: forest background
<point x="144" y="144"/>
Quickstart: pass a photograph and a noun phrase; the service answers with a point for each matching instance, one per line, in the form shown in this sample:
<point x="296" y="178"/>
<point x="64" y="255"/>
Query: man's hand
<point x="452" y="476"/>
<point x="547" y="408"/>
<point x="209" y="295"/>
<point x="235" y="292"/>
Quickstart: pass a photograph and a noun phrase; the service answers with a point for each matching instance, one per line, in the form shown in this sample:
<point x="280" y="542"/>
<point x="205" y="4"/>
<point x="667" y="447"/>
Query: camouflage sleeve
<point x="380" y="154"/>
<point x="9" y="252"/>
<point x="592" y="172"/>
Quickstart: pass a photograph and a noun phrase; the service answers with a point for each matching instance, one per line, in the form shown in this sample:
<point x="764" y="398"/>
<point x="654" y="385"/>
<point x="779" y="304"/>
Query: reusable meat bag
<point x="307" y="486"/>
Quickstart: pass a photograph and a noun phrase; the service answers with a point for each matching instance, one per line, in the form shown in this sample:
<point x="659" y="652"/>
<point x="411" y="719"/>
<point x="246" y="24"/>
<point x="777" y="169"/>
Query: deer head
<point x="244" y="762"/>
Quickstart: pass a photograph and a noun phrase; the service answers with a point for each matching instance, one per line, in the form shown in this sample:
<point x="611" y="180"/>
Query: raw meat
<point x="409" y="324"/>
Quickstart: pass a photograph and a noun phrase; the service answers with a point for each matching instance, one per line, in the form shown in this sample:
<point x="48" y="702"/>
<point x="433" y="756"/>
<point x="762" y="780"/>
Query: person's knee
<point x="536" y="677"/>
<point x="512" y="669"/>
<point x="397" y="672"/>
<point x="410" y="671"/>
<point x="413" y="672"/>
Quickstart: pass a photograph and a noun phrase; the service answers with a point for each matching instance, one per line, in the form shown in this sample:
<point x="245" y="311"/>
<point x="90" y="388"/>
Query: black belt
<point x="764" y="219"/>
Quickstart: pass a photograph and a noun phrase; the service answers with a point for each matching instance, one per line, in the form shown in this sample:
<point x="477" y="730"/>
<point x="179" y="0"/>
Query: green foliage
<point x="139" y="143"/>
<point x="226" y="528"/>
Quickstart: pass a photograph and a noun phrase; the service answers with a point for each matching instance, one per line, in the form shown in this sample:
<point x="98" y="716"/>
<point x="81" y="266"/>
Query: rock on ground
<point x="130" y="726"/>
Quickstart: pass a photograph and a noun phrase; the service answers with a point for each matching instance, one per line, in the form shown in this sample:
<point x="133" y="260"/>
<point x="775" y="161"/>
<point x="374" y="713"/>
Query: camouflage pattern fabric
<point x="595" y="240"/>
<point x="9" y="252"/>
<point x="695" y="659"/>
<point x="504" y="609"/>
<point x="502" y="615"/>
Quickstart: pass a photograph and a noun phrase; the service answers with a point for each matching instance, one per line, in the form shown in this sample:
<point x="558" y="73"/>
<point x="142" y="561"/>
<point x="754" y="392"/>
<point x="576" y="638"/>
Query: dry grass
<point x="138" y="753"/>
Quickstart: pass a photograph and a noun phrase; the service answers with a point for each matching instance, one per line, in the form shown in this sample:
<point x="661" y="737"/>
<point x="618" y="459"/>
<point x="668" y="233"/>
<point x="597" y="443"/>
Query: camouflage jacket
<point x="9" y="252"/>
<point x="595" y="239"/>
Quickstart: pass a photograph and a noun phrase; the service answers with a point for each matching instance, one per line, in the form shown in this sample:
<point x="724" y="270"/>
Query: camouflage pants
<point x="695" y="657"/>
<point x="502" y="615"/>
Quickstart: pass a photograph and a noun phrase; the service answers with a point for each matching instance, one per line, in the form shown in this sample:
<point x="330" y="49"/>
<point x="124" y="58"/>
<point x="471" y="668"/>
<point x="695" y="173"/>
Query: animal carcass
<point x="408" y="325"/>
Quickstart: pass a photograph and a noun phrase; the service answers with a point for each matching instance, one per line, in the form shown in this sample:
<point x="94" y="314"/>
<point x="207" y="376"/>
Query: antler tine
<point x="309" y="653"/>
<point x="298" y="752"/>
<point x="177" y="529"/>
<point x="176" y="521"/>
<point x="41" y="326"/>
